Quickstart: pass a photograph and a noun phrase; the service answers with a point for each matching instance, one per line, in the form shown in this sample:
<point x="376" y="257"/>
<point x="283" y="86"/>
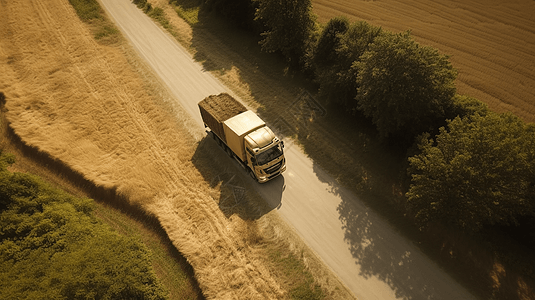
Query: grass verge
<point x="347" y="147"/>
<point x="103" y="29"/>
<point x="289" y="266"/>
<point x="171" y="268"/>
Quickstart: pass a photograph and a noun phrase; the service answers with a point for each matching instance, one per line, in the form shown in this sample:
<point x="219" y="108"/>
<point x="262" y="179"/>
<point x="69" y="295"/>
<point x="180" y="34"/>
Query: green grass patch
<point x="171" y="268"/>
<point x="87" y="9"/>
<point x="106" y="32"/>
<point x="158" y="14"/>
<point x="187" y="10"/>
<point x="190" y="15"/>
<point x="297" y="279"/>
<point x="90" y="12"/>
<point x="53" y="247"/>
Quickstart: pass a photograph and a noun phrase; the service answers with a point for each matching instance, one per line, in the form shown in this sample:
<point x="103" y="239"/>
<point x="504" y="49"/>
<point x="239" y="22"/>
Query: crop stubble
<point x="491" y="42"/>
<point x="84" y="104"/>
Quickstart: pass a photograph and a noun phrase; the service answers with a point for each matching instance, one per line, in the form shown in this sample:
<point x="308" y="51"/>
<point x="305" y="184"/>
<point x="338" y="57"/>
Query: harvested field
<point x="87" y="106"/>
<point x="111" y="127"/>
<point x="491" y="42"/>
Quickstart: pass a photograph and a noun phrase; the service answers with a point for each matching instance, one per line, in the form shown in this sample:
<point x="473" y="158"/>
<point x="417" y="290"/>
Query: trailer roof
<point x="244" y="123"/>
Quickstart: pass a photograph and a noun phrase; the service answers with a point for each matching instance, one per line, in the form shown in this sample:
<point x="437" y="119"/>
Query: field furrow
<point x="490" y="42"/>
<point x="85" y="105"/>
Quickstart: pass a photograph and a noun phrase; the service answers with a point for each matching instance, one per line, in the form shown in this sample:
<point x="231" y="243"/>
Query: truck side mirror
<point x="282" y="143"/>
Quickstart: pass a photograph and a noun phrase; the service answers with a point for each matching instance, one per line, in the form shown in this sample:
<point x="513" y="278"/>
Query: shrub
<point x="52" y="247"/>
<point x="478" y="171"/>
<point x="87" y="9"/>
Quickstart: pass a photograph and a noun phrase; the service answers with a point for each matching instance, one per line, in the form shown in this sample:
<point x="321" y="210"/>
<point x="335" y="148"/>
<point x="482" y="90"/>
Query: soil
<point x="216" y="109"/>
<point x="222" y="106"/>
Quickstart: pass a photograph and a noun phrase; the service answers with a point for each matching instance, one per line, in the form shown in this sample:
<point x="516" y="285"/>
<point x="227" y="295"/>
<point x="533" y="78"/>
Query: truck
<point x="244" y="136"/>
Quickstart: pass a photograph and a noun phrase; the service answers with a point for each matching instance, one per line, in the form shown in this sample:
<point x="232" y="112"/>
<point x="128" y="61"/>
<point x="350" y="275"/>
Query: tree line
<point x="473" y="167"/>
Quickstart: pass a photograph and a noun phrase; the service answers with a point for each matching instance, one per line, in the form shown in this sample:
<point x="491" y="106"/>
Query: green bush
<point x="159" y="15"/>
<point x="87" y="9"/>
<point x="52" y="247"/>
<point x="406" y="89"/>
<point x="478" y="171"/>
<point x="289" y="28"/>
<point x="340" y="46"/>
<point x="140" y="3"/>
<point x="463" y="106"/>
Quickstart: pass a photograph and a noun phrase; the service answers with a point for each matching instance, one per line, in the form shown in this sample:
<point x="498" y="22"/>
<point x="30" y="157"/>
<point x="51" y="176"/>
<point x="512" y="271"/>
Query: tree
<point x="329" y="40"/>
<point x="479" y="171"/>
<point x="290" y="26"/>
<point x="239" y="12"/>
<point x="337" y="76"/>
<point x="404" y="88"/>
<point x="463" y="106"/>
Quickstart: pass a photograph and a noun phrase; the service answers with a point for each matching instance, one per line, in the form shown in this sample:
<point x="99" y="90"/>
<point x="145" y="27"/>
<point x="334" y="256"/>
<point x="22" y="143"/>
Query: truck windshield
<point x="269" y="155"/>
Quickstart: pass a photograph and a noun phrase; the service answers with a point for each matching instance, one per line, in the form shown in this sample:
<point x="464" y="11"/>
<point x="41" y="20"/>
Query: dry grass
<point x="171" y="268"/>
<point x="490" y="42"/>
<point x="85" y="105"/>
<point x="99" y="113"/>
<point x="355" y="157"/>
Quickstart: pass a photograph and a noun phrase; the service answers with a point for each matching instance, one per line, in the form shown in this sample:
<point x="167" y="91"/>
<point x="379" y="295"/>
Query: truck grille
<point x="274" y="168"/>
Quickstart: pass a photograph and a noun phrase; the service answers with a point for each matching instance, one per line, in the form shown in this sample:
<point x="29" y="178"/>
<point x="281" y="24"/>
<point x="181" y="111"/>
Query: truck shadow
<point x="231" y="187"/>
<point x="363" y="167"/>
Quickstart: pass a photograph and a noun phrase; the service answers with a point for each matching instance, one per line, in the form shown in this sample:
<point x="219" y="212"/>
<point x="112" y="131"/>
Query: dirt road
<point x="373" y="261"/>
<point x="87" y="107"/>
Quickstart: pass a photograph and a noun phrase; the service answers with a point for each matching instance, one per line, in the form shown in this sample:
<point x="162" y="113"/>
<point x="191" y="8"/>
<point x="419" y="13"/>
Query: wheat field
<point x="86" y="105"/>
<point x="491" y="42"/>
